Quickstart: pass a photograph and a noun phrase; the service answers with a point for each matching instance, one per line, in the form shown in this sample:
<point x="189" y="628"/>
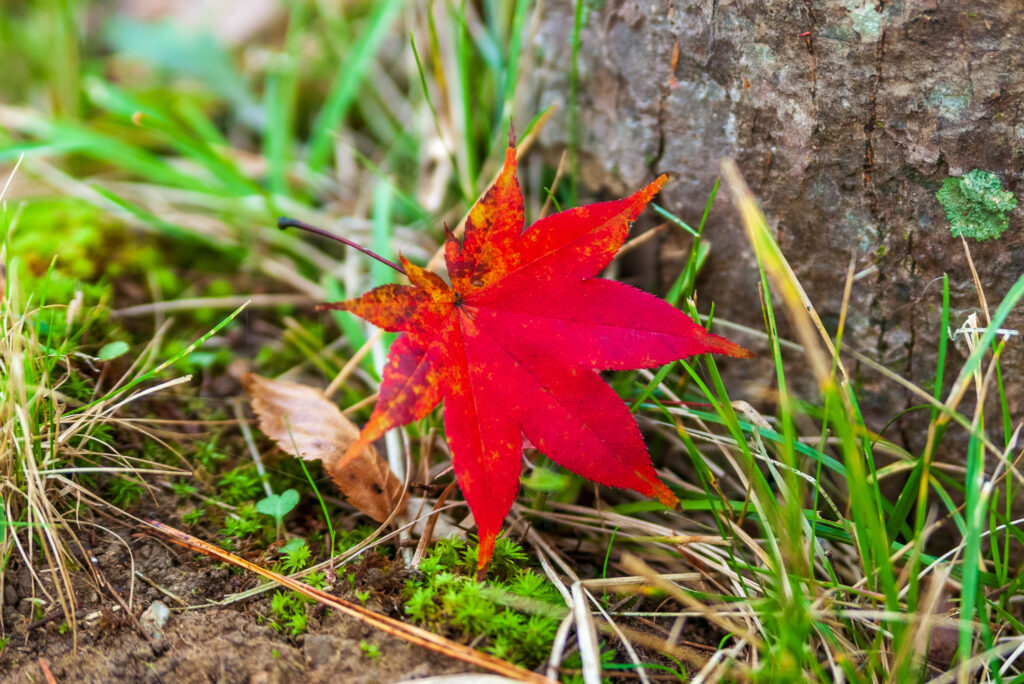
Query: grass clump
<point x="840" y="555"/>
<point x="513" y="614"/>
<point x="56" y="439"/>
<point x="68" y="377"/>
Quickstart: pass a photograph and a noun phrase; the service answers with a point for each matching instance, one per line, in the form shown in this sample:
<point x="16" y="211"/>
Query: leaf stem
<point x="286" y="222"/>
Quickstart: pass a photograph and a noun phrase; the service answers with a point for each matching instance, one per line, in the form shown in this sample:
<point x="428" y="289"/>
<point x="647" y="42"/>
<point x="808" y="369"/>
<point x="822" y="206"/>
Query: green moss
<point x="976" y="205"/>
<point x="514" y="614"/>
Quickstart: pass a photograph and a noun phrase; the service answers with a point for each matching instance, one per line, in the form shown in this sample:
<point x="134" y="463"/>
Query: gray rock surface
<point x="154" y="619"/>
<point x="844" y="116"/>
<point x="320" y="648"/>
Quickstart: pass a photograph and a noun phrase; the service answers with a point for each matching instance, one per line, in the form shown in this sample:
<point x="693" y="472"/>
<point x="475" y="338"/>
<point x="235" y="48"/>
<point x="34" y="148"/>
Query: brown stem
<point x="286" y="222"/>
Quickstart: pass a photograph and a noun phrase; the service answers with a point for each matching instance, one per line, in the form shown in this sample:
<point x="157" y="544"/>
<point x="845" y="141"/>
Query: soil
<point x="202" y="641"/>
<point x="199" y="642"/>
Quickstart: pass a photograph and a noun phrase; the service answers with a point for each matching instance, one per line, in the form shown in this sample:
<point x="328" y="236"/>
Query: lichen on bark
<point x="976" y="205"/>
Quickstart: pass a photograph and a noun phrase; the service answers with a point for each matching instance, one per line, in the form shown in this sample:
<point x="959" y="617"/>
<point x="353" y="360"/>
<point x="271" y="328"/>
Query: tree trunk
<point x="845" y="117"/>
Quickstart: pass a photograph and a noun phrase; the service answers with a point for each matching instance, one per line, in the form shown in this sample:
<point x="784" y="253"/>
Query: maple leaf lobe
<point x="493" y="226"/>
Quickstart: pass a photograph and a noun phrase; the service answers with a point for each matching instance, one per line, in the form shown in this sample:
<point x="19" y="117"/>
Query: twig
<point x="163" y="590"/>
<point x="50" y="679"/>
<point x="428" y="527"/>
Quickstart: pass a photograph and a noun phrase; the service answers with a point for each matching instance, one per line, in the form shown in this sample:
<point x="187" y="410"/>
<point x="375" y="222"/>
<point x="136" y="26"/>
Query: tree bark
<point x="845" y="117"/>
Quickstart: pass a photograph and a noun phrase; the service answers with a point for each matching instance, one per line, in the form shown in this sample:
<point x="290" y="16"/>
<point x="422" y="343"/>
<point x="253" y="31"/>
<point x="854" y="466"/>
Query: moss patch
<point x="976" y="205"/>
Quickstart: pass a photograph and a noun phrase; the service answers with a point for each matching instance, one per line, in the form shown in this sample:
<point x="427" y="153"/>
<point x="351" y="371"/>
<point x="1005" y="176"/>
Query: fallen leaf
<point x="305" y="423"/>
<point x="513" y="347"/>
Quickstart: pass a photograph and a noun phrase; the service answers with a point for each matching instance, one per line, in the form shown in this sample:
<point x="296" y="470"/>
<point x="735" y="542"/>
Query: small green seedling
<point x="278" y="505"/>
<point x="208" y="455"/>
<point x="295" y="554"/>
<point x="289" y="612"/>
<point x="193" y="516"/>
<point x="239" y="485"/>
<point x="317" y="580"/>
<point x="976" y="205"/>
<point x="183" y="489"/>
<point x="242" y="523"/>
<point x="371" y="651"/>
<point x="124" y="492"/>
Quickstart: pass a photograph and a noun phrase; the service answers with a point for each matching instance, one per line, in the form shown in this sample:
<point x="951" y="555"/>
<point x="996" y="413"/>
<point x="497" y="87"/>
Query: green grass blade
<point x="574" y="110"/>
<point x="467" y="106"/>
<point x="465" y="191"/>
<point x="699" y="250"/>
<point x="351" y="73"/>
<point x="280" y="100"/>
<point x="513" y="67"/>
<point x="162" y="366"/>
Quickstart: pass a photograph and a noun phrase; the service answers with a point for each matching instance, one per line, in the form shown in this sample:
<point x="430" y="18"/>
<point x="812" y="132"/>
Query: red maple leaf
<point x="513" y="347"/>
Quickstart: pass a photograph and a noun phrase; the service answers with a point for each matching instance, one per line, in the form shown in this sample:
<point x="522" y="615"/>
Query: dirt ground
<point x="205" y="642"/>
<point x="199" y="643"/>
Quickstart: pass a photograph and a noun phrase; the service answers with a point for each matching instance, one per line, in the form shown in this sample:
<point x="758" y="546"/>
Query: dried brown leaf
<point x="299" y="417"/>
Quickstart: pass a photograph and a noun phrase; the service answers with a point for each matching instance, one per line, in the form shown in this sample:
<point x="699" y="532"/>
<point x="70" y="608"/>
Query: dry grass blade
<point x="256" y="301"/>
<point x="304" y="423"/>
<point x="558" y="645"/>
<point x="644" y="237"/>
<point x="687" y="653"/>
<point x="801" y="312"/>
<point x="634" y="565"/>
<point x="613" y="628"/>
<point x="586" y="635"/>
<point x="461" y="679"/>
<point x="396" y="628"/>
<point x="352" y="363"/>
<point x="428" y="528"/>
